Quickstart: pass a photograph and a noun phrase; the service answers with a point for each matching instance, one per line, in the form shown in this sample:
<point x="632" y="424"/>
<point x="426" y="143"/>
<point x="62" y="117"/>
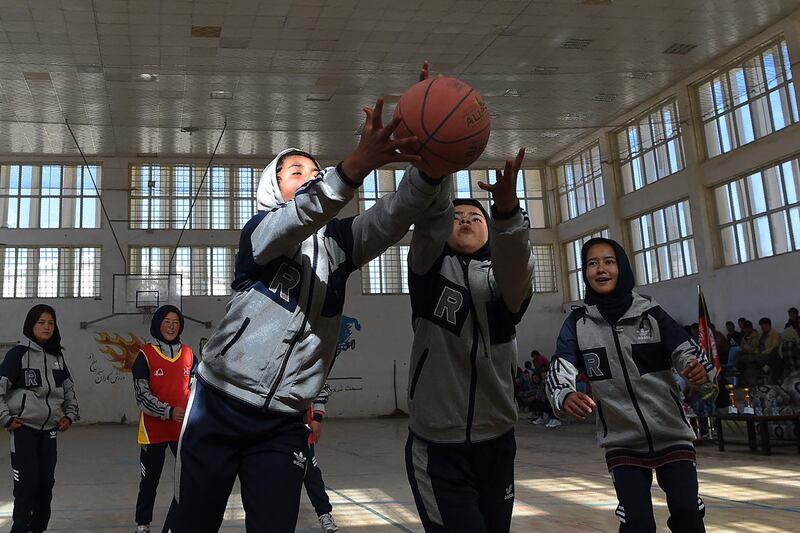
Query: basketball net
<point x="147" y="313"/>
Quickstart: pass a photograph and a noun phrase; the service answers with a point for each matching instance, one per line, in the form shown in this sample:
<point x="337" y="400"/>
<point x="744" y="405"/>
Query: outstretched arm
<point x="319" y="200"/>
<point x="511" y="251"/>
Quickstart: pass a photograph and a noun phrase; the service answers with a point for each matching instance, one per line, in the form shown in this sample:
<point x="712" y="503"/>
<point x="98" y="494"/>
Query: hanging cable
<point x="99" y="197"/>
<point x="196" y="194"/>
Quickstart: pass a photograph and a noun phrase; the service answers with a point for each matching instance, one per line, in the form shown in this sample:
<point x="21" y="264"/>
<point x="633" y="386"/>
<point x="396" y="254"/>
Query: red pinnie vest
<point x="169" y="382"/>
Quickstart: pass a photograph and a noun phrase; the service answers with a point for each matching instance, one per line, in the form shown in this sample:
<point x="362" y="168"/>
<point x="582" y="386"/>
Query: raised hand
<point x="376" y="147"/>
<point x="504" y="190"/>
<point x="578" y="405"/>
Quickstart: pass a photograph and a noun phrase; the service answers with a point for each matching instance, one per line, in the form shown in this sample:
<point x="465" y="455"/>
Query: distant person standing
<point x="161" y="375"/>
<point x="37" y="400"/>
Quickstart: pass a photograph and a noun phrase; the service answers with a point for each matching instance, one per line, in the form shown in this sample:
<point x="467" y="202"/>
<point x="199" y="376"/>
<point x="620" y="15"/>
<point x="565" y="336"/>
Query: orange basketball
<point x="449" y="119"/>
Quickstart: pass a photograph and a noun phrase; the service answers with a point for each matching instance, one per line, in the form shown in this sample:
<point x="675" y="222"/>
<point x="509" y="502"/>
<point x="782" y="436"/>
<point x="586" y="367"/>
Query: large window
<point x="748" y="100"/>
<point x="544" y="272"/>
<point x="650" y="147"/>
<point x="759" y="214"/>
<point x="387" y="273"/>
<point x="580" y="183"/>
<point x="663" y="244"/>
<point x="530" y="191"/>
<point x="572" y="250"/>
<point x="204" y="270"/>
<point x="49" y="272"/>
<point x="161" y="196"/>
<point x="49" y="196"/>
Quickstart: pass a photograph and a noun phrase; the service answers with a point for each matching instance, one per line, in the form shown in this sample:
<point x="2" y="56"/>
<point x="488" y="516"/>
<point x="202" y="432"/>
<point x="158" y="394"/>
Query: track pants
<point x="151" y="461"/>
<point x="33" y="461"/>
<point x="315" y="486"/>
<point x="463" y="488"/>
<point x="221" y="439"/>
<point x="678" y="480"/>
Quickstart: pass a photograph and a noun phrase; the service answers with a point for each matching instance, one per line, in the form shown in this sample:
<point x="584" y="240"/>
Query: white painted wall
<point x="767" y="287"/>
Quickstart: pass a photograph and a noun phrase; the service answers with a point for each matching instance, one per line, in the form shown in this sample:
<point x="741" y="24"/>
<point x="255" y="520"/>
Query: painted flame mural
<point x="121" y="352"/>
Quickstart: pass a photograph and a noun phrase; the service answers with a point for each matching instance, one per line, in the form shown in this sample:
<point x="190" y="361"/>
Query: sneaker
<point x="143" y="528"/>
<point x="554" y="423"/>
<point x="539" y="421"/>
<point x="327" y="523"/>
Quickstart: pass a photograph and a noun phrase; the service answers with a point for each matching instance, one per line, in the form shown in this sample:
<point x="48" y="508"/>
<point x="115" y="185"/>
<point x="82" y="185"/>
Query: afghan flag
<point x="708" y="343"/>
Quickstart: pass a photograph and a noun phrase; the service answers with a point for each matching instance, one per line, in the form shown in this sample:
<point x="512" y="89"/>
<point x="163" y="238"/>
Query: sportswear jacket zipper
<point x="49" y="389"/>
<point x="602" y="418"/>
<point x="634" y="401"/>
<point x="473" y="356"/>
<point x="300" y="331"/>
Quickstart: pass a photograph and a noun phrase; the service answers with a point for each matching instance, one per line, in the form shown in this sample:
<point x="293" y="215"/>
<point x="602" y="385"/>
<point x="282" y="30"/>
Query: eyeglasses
<point x="471" y="218"/>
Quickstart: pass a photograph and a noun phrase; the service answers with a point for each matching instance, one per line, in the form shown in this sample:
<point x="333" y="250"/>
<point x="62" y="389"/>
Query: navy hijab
<point x="158" y="318"/>
<point x="53" y="344"/>
<point x="614" y="304"/>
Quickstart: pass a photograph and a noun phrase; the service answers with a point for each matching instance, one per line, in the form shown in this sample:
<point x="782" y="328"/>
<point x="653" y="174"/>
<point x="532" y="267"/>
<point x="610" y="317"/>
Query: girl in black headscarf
<point x="37" y="400"/>
<point x="628" y="346"/>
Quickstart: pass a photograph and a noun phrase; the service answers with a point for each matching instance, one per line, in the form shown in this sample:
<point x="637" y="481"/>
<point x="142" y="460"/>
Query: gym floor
<point x="561" y="483"/>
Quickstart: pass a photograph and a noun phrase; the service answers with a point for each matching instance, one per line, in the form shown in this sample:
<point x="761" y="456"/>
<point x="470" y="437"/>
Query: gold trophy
<point x="732" y="410"/>
<point x="748" y="403"/>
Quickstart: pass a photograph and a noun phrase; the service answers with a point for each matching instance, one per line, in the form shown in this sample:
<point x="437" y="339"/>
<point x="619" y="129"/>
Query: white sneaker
<point x="327" y="523"/>
<point x="539" y="421"/>
<point x="143" y="528"/>
<point x="554" y="423"/>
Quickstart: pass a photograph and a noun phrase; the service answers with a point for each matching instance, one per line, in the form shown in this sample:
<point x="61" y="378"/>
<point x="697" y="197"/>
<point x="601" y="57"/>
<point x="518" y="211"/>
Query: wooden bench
<point x="751" y="421"/>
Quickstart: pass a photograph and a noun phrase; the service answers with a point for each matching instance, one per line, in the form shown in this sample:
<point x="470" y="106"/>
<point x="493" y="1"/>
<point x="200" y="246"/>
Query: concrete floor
<point x="561" y="483"/>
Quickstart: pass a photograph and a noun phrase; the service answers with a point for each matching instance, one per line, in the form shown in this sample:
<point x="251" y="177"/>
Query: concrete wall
<point x="375" y="371"/>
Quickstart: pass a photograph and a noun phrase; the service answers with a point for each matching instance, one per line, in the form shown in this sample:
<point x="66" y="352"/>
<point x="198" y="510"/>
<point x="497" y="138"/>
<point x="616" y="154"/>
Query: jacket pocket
<point x="235" y="338"/>
<point x="602" y="418"/>
<point x="417" y="372"/>
<point x="680" y="407"/>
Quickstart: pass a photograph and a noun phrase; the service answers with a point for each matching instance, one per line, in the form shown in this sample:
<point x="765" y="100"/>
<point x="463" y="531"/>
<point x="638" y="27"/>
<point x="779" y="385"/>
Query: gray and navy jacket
<point x="36" y="387"/>
<point x="464" y="311"/>
<point x="639" y="411"/>
<point x="273" y="347"/>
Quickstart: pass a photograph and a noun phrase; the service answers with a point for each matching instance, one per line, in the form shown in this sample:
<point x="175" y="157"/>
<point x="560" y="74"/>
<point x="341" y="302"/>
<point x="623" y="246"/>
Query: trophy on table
<point x="748" y="403"/>
<point x="732" y="410"/>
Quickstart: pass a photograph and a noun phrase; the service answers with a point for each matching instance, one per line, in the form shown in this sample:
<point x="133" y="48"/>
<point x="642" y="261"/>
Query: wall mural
<point x="117" y="356"/>
<point x="347" y="328"/>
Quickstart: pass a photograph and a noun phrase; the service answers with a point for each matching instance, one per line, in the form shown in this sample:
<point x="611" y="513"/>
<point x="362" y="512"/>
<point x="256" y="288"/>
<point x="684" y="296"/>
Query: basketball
<point x="449" y="119"/>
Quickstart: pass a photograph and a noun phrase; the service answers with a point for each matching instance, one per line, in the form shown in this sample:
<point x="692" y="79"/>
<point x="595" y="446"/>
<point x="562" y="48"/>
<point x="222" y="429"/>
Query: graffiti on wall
<point x="347" y="327"/>
<point x="116" y="356"/>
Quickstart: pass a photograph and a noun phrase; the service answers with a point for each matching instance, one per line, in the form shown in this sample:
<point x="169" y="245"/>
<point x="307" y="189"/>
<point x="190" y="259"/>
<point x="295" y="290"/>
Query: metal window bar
<point x="205" y="270"/>
<point x="50" y="272"/>
<point x="387" y="273"/>
<point x="544" y="275"/>
<point x="161" y="195"/>
<point x="573" y="248"/>
<point x="655" y="246"/>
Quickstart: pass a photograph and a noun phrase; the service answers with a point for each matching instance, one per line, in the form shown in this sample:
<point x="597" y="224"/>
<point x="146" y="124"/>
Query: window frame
<point x="568" y="192"/>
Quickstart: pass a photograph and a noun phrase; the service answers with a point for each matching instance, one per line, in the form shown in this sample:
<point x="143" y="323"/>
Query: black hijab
<point x="613" y="305"/>
<point x="53" y="344"/>
<point x="159" y="316"/>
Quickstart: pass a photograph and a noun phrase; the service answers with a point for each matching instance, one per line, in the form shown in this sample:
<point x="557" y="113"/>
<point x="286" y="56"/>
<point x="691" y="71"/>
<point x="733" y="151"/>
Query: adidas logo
<point x="509" y="492"/>
<point x="16" y="474"/>
<point x="299" y="459"/>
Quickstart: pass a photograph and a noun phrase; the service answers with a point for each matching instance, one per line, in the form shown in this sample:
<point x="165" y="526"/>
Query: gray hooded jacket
<point x="630" y="368"/>
<point x="465" y="309"/>
<point x="276" y="342"/>
<point x="36" y="386"/>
